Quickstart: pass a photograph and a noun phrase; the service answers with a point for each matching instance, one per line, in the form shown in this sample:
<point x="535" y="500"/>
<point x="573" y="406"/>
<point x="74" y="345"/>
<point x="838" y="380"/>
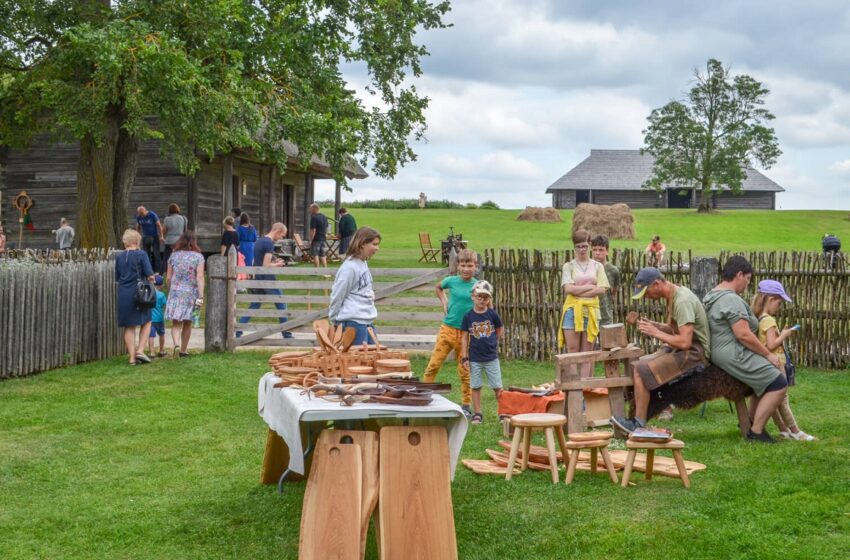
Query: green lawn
<point x="738" y="230"/>
<point x="107" y="461"/>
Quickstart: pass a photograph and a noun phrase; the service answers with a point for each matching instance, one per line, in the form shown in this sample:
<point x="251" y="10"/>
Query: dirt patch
<point x="615" y="221"/>
<point x="535" y="214"/>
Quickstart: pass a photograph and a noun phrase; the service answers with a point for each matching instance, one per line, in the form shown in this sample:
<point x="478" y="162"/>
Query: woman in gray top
<point x="173" y="227"/>
<point x="736" y="349"/>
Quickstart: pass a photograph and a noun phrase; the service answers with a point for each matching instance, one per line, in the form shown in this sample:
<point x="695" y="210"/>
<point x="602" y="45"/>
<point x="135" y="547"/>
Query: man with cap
<point x="684" y="336"/>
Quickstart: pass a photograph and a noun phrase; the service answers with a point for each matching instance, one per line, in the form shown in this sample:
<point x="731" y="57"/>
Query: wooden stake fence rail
<point x="528" y="297"/>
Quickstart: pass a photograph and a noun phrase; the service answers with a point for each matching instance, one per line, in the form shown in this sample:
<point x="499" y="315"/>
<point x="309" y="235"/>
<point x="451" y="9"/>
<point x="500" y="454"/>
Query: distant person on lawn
<point x="455" y="306"/>
<point x="599" y="248"/>
<point x="64" y="235"/>
<point x="185" y="277"/>
<point x="655" y="252"/>
<point x="482" y="328"/>
<point x="131" y="266"/>
<point x="347" y="227"/>
<point x="318" y="236"/>
<point x="685" y="339"/>
<point x="148" y="224"/>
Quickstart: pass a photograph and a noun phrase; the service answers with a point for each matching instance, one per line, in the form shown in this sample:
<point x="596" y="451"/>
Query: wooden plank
<point x="298" y="270"/>
<point x="616" y="395"/>
<point x="596" y="383"/>
<point x="245" y="312"/>
<point x="599" y="356"/>
<point x="299" y="284"/>
<point x="322" y="299"/>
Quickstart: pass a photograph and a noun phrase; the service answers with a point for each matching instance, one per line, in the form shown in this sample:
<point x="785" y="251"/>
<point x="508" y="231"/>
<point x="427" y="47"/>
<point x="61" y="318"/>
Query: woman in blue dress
<point x="247" y="238"/>
<point x="130" y="266"/>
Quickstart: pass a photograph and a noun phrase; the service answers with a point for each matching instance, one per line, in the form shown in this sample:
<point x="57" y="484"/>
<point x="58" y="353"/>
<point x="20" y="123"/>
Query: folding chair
<point x="429" y="254"/>
<point x="306" y="255"/>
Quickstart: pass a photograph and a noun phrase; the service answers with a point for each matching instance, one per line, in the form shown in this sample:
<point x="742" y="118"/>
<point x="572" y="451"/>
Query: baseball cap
<point x="643" y="279"/>
<point x="773" y="288"/>
<point x="157" y="280"/>
<point x="482" y="287"/>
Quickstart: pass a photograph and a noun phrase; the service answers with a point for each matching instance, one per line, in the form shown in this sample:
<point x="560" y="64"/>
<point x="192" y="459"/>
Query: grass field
<point x="737" y="230"/>
<point x="107" y="461"/>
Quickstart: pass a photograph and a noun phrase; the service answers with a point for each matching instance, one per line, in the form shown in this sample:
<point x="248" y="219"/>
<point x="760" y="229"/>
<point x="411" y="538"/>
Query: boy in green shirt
<point x="458" y="304"/>
<point x="599" y="247"/>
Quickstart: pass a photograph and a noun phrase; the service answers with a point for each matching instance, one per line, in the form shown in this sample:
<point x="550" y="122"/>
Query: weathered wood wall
<point x="528" y="298"/>
<point x="56" y="313"/>
<point x="649" y="199"/>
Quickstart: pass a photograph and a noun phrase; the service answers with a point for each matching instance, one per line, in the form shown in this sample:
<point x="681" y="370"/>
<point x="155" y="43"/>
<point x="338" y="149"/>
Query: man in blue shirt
<point x="148" y="224"/>
<point x="263" y="256"/>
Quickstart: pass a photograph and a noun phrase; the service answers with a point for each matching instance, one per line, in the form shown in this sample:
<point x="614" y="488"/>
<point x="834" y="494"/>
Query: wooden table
<point x="332" y="247"/>
<point x="294" y="420"/>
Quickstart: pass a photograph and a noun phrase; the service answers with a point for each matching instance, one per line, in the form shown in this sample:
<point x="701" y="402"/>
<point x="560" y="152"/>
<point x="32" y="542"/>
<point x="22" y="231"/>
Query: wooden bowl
<point x="391" y="365"/>
<point x="371" y="391"/>
<point x="360" y="370"/>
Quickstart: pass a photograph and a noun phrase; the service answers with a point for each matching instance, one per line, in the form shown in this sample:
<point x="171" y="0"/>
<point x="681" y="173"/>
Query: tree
<point x="206" y="77"/>
<point x="709" y="139"/>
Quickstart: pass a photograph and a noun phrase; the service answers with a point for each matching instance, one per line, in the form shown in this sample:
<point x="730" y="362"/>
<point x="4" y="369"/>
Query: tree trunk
<point x="95" y="176"/>
<point x="125" y="175"/>
<point x="705" y="200"/>
<point x="105" y="175"/>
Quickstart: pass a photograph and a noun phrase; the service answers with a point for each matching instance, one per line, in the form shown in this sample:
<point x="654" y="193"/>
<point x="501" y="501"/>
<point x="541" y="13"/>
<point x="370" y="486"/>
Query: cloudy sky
<point x="522" y="90"/>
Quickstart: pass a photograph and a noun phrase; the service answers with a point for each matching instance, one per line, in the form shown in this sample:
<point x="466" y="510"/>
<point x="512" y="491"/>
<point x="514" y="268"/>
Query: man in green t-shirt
<point x="347" y="226"/>
<point x="684" y="336"/>
<point x="455" y="306"/>
<point x="599" y="247"/>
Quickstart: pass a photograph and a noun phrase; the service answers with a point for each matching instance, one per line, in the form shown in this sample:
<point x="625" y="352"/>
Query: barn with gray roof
<point x="613" y="176"/>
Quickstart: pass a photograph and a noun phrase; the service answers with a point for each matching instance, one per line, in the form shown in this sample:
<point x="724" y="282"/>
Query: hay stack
<point x="534" y="214"/>
<point x="615" y="221"/>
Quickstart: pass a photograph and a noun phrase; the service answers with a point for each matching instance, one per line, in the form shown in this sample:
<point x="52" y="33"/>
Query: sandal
<point x="477" y="418"/>
<point x="183" y="354"/>
<point x="803" y="436"/>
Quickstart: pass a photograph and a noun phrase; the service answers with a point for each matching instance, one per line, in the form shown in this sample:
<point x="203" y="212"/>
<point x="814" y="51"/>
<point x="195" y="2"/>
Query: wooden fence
<point x="56" y="312"/>
<point x="528" y="298"/>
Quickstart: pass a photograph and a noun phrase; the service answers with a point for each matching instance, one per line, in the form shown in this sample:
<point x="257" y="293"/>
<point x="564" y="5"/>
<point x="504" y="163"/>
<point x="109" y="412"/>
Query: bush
<point x="489" y="205"/>
<point x="471" y="206"/>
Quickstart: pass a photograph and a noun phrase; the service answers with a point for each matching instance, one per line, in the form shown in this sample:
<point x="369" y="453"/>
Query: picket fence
<point x="55" y="310"/>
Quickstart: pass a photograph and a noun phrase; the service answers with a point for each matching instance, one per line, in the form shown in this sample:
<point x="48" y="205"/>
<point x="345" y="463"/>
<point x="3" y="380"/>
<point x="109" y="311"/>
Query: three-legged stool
<point x="674" y="445"/>
<point x="551" y="424"/>
<point x="596" y="442"/>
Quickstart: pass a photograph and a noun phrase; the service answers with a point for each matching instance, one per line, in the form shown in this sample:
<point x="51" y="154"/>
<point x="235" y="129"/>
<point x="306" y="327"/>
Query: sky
<point x="521" y="91"/>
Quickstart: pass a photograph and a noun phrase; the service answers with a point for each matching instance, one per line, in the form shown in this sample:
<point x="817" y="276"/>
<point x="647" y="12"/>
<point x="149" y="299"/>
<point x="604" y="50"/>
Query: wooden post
<point x="215" y="324"/>
<point x="231" y="299"/>
<point x="574" y="399"/>
<point x="337" y="204"/>
<point x="704" y="275"/>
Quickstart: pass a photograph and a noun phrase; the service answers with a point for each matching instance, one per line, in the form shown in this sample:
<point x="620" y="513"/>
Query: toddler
<point x="482" y="328"/>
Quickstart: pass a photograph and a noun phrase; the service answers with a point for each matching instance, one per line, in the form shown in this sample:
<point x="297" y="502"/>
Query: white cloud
<point x="841" y="167"/>
<point x="498" y="166"/>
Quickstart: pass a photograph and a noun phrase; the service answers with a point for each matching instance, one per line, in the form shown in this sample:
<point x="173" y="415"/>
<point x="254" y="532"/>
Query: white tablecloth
<point x="284" y="410"/>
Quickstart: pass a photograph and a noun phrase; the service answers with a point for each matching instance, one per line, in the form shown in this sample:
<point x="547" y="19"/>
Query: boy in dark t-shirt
<point x="481" y="329"/>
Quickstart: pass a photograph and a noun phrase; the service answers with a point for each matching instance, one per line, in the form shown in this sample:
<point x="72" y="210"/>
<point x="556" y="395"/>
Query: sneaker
<point x="802" y="436"/>
<point x="141" y="358"/>
<point x="466" y="411"/>
<point x="763" y="437"/>
<point x="628" y="425"/>
<point x="477" y="418"/>
<point x="666" y="414"/>
<point x="162" y="354"/>
<point x="287" y="334"/>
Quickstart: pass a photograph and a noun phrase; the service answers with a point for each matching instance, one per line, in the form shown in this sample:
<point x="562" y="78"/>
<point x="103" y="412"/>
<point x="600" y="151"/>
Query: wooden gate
<point x="409" y="313"/>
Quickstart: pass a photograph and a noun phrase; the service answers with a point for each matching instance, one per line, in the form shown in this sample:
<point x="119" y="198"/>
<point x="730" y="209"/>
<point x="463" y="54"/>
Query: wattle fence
<point x="528" y="297"/>
<point x="56" y="309"/>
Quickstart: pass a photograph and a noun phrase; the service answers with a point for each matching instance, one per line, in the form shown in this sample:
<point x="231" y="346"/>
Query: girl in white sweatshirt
<point x="352" y="297"/>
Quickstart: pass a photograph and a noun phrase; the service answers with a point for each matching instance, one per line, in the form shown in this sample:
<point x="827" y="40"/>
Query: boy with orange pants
<point x="458" y="304"/>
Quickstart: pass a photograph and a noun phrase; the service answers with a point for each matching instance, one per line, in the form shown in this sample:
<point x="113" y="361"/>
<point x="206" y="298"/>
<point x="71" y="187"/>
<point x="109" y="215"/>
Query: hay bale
<point x="534" y="214"/>
<point x="615" y="221"/>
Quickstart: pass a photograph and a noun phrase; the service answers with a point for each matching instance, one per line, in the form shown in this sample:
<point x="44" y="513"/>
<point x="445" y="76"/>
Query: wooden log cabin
<point x="48" y="172"/>
<point x="617" y="176"/>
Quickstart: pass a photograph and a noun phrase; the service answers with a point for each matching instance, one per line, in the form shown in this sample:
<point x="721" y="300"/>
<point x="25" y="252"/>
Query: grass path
<point x="107" y="461"/>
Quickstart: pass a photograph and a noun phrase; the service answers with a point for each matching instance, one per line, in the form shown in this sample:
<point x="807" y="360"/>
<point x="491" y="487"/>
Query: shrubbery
<point x="409" y="203"/>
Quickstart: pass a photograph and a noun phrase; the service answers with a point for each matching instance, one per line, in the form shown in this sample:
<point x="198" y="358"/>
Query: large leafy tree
<point x="708" y="139"/>
<point x="205" y="77"/>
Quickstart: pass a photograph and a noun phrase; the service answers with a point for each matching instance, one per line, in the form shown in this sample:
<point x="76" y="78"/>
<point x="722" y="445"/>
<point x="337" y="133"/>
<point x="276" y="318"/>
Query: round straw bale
<point x="615" y="221"/>
<point x="535" y="214"/>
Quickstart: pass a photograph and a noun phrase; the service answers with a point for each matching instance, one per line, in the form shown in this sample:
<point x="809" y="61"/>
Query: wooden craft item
<point x="613" y="336"/>
<point x="403" y="401"/>
<point x="360" y="370"/>
<point x="391" y="365"/>
<point x="348" y="336"/>
<point x="294" y="370"/>
<point x="369" y="454"/>
<point x="662" y="466"/>
<point x="632" y="317"/>
<point x="484" y="466"/>
<point x="373" y="336"/>
<point x="416" y="517"/>
<point x="331" y="512"/>
<point x="337" y="338"/>
<point x="321" y="325"/>
<point x="325" y="341"/>
<point x="501" y="459"/>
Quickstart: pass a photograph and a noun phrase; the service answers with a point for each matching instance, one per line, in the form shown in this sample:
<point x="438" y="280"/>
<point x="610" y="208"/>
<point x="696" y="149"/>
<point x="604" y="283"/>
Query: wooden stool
<point x="674" y="445"/>
<point x="551" y="424"/>
<point x="593" y="445"/>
